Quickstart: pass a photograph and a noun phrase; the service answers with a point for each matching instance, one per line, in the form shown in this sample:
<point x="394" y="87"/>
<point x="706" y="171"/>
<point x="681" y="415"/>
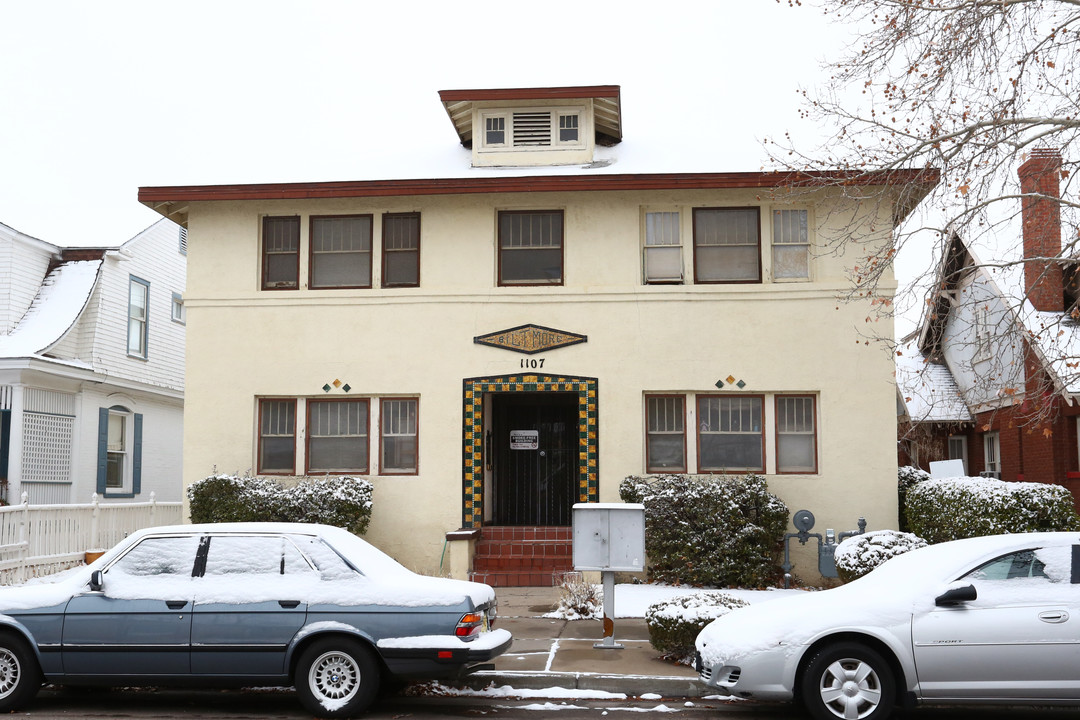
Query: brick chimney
<point x="1041" y="217"/>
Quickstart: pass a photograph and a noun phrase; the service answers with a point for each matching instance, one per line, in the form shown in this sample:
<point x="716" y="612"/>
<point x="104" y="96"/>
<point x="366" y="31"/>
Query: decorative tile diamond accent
<point x="327" y="388"/>
<point x="346" y="387"/>
<point x="741" y="384"/>
<point x="337" y="383"/>
<point x="720" y="384"/>
<point x="730" y="379"/>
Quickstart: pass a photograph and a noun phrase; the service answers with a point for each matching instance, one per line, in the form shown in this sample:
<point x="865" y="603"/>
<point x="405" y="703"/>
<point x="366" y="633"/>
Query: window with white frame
<point x="532" y="128"/>
<point x="179" y="314"/>
<point x="398" y="436"/>
<point x="796" y="434"/>
<point x="119" y="451"/>
<point x="992" y="454"/>
<point x="791" y="245"/>
<point x="663" y="248"/>
<point x="337" y="436"/>
<point x="958" y="449"/>
<point x="665" y="433"/>
<point x="731" y="433"/>
<point x="138" y="319"/>
<point x="727" y="245"/>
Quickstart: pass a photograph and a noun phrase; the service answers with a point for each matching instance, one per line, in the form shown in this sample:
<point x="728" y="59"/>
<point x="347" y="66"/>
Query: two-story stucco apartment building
<point x="494" y="342"/>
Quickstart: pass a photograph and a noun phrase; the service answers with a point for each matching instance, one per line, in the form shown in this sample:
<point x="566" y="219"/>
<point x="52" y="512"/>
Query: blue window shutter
<point x="102" y="449"/>
<point x="136" y="457"/>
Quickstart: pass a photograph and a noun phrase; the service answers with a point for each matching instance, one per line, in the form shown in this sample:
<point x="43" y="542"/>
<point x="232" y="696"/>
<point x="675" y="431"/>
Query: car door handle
<point x="1054" y="616"/>
<point x="176" y="604"/>
<point x="288" y="603"/>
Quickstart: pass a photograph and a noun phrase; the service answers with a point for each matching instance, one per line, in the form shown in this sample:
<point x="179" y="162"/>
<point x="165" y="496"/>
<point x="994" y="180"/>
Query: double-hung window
<point x="138" y="321"/>
<point x="992" y="454"/>
<point x="531" y="247"/>
<point x="281" y="253"/>
<point x="341" y="251"/>
<point x="796" y="435"/>
<point x="277" y="436"/>
<point x="120" y="434"/>
<point x="337" y="436"/>
<point x="401" y="250"/>
<point x="730" y="433"/>
<point x="727" y="245"/>
<point x="791" y="245"/>
<point x="663" y="248"/>
<point x="398" y="436"/>
<point x="665" y="433"/>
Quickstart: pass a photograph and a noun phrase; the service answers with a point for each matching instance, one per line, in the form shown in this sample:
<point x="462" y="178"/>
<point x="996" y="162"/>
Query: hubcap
<point x="334" y="677"/>
<point x="9" y="672"/>
<point x="850" y="689"/>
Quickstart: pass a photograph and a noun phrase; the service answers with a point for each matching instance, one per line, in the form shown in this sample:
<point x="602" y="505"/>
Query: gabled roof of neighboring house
<point x="928" y="390"/>
<point x="60" y="301"/>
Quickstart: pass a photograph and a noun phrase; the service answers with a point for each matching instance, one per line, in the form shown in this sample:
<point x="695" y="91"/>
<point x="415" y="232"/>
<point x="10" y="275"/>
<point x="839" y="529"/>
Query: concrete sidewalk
<point x="559" y="653"/>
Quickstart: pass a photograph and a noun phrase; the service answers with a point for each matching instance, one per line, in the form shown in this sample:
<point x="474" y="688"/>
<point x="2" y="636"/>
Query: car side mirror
<point x="956" y="595"/>
<point x="97" y="581"/>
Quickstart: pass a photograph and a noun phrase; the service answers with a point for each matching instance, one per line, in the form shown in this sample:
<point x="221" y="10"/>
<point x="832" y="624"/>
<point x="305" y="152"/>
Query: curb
<point x="629" y="685"/>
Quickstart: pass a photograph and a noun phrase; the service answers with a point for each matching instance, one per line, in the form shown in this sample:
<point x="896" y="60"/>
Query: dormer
<point x="535" y="126"/>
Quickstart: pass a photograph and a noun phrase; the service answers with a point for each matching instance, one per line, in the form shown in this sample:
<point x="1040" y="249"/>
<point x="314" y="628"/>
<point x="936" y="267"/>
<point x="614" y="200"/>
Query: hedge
<point x="710" y="530"/>
<point x="859" y="554"/>
<point x="674" y="623"/>
<point x="340" y="501"/>
<point x="953" y="508"/>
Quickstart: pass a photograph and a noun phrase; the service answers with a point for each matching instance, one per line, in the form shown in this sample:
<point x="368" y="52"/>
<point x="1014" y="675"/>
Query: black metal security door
<point x="534" y="451"/>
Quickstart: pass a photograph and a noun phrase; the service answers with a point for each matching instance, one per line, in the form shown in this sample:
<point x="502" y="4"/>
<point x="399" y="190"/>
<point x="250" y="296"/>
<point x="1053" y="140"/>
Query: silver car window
<point x="1021" y="564"/>
<point x="158" y="557"/>
<point x="254" y="555"/>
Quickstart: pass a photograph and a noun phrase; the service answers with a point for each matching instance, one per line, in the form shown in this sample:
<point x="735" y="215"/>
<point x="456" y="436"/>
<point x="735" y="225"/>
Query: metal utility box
<point x="609" y="536"/>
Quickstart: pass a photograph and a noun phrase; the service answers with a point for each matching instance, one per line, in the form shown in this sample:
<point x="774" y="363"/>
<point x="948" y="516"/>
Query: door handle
<point x="1054" y="616"/>
<point x="288" y="603"/>
<point x="176" y="604"/>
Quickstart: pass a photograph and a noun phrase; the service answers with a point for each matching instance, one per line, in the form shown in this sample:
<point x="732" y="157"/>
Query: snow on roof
<point x="63" y="294"/>
<point x="928" y="389"/>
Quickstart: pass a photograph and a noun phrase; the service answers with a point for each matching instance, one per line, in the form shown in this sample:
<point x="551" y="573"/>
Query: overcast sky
<point x="100" y="98"/>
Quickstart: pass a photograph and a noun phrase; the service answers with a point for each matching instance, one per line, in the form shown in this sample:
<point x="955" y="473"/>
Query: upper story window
<point x="534" y="128"/>
<point x="727" y="245"/>
<point x="138" y="321"/>
<point x="531" y="247"/>
<point x="791" y="245"/>
<point x="179" y="314"/>
<point x="663" y="248"/>
<point x="731" y="433"/>
<point x="340" y="252"/>
<point x="281" y="253"/>
<point x="401" y="250"/>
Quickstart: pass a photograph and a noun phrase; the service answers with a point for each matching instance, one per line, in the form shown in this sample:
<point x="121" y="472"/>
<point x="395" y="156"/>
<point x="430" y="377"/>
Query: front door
<point x="534" y="449"/>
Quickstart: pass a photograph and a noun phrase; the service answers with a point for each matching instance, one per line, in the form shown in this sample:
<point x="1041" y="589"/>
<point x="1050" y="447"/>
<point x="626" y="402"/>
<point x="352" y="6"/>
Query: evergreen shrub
<point x="715" y="531"/>
<point x="339" y="501"/>
<point x="906" y="478"/>
<point x="859" y="554"/>
<point x="674" y="623"/>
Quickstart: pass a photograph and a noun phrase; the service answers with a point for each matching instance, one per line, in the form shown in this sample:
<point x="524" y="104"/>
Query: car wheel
<point x="337" y="678"/>
<point x="848" y="681"/>
<point x="20" y="677"/>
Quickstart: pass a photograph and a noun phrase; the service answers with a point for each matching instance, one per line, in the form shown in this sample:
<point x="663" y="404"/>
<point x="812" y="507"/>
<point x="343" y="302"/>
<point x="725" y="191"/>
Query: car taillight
<point x="470" y="625"/>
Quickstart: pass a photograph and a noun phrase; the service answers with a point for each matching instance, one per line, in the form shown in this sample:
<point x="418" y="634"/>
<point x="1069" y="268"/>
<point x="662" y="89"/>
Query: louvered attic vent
<point x="532" y="129"/>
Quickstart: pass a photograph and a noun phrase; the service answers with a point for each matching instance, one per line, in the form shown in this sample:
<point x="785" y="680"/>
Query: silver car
<point x="245" y="604"/>
<point x="985" y="620"/>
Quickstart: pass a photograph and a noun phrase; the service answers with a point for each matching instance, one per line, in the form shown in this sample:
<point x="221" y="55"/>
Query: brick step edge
<point x="515" y="579"/>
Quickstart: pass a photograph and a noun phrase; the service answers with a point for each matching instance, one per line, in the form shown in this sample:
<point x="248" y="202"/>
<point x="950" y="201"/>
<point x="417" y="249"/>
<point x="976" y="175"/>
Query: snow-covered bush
<point x="710" y="530"/>
<point x="340" y="501"/>
<point x="953" y="508"/>
<point x="859" y="554"/>
<point x="674" y="624"/>
<point x="578" y="600"/>
<point x="906" y="478"/>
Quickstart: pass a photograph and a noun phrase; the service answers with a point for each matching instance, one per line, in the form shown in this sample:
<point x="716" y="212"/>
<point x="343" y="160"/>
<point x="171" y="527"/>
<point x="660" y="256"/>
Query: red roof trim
<point x="557" y="183"/>
<point x="587" y="91"/>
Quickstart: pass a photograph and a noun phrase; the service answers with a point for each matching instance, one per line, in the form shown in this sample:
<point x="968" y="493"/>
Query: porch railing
<point x="38" y="540"/>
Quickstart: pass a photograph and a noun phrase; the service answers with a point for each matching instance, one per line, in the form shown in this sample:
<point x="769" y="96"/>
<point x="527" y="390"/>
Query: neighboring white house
<point x="92" y="367"/>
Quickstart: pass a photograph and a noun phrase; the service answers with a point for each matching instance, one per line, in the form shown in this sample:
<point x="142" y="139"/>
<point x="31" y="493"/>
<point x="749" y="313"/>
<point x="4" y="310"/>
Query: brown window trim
<point x="311" y="251"/>
<point x="385" y="252"/>
<point x="649" y="468"/>
<point x="776" y="431"/>
<point x="259" y="434"/>
<point x="308" y="434"/>
<point x="499" y="248"/>
<point x="264" y="257"/>
<point x="694" y="245"/>
<point x="382" y="466"/>
<point x="697" y="407"/>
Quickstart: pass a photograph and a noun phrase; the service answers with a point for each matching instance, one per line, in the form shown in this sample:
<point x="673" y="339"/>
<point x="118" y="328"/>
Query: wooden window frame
<point x="383" y="469"/>
<point x="386" y="252"/>
<point x="646" y="247"/>
<point x="499" y="247"/>
<point x="775" y="215"/>
<point x="258" y="429"/>
<point x="694" y="243"/>
<point x="312" y="221"/>
<point x="649" y="433"/>
<point x="309" y="435"/>
<point x="265" y="256"/>
<point x="144" y="328"/>
<point x="778" y="435"/>
<point x="724" y="396"/>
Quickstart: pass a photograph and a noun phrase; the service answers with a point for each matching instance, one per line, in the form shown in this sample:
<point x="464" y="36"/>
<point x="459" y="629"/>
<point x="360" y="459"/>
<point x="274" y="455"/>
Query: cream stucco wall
<point x="778" y="337"/>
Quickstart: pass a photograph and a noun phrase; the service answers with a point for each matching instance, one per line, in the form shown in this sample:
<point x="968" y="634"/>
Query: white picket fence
<point x="38" y="540"/>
